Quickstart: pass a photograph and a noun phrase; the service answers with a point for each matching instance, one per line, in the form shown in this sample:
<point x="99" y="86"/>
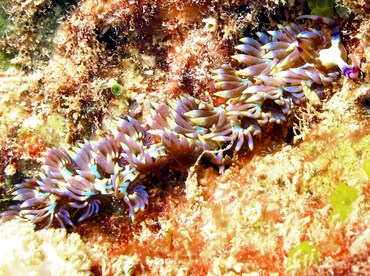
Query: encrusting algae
<point x="267" y="205"/>
<point x="26" y="252"/>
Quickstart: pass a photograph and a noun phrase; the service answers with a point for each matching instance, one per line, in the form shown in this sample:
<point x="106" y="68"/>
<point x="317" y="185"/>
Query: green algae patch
<point x="5" y="61"/>
<point x="116" y="89"/>
<point x="322" y="8"/>
<point x="4" y="21"/>
<point x="341" y="200"/>
<point x="4" y="27"/>
<point x="302" y="256"/>
<point x="366" y="167"/>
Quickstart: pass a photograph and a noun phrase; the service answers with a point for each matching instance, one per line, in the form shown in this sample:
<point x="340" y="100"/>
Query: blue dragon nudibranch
<point x="74" y="183"/>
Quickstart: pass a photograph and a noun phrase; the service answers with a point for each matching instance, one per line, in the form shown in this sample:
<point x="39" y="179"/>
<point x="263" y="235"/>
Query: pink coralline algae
<point x="74" y="183"/>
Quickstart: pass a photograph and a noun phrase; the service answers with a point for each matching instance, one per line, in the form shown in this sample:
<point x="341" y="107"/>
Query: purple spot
<point x="346" y="70"/>
<point x="336" y="35"/>
<point x="353" y="72"/>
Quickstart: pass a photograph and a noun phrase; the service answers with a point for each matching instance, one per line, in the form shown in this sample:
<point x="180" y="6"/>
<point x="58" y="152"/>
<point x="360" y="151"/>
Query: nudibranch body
<point x="276" y="63"/>
<point x="74" y="182"/>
